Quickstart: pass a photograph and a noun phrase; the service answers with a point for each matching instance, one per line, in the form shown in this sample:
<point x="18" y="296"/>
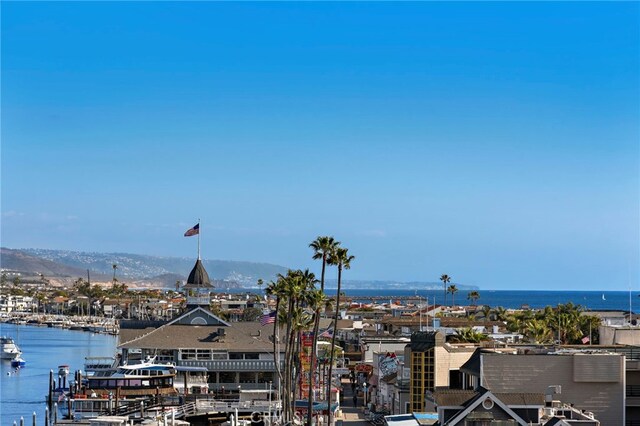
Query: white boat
<point x="100" y="366"/>
<point x="141" y="379"/>
<point x="10" y="350"/>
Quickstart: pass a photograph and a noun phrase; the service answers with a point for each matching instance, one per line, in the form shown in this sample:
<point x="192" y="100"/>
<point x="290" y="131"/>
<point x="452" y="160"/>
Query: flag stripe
<point x="193" y="231"/>
<point x="268" y="318"/>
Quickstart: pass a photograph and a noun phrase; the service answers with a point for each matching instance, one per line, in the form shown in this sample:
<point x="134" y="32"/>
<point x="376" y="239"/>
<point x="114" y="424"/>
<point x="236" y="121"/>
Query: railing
<point x="232" y="405"/>
<point x="233" y="365"/>
<point x="633" y="390"/>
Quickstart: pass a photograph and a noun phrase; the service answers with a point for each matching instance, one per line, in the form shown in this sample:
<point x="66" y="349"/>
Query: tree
<point x="486" y="312"/>
<point x="453" y="290"/>
<point x="500" y="313"/>
<point x="292" y="306"/>
<point x="323" y="247"/>
<point x="445" y="280"/>
<point x="251" y="314"/>
<point x="473" y="296"/>
<point x="468" y="335"/>
<point x="114" y="266"/>
<point x="340" y="258"/>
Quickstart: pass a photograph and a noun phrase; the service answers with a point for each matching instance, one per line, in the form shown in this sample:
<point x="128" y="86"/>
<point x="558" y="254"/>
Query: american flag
<point x="328" y="333"/>
<point x="268" y="318"/>
<point x="193" y="231"/>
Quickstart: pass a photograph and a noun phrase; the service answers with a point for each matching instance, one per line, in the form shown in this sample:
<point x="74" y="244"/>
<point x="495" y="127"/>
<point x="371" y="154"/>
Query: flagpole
<point x="198" y="238"/>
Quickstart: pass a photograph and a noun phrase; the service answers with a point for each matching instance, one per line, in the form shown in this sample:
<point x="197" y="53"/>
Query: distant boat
<point x="18" y="362"/>
<point x="603" y="297"/>
<point x="10" y="350"/>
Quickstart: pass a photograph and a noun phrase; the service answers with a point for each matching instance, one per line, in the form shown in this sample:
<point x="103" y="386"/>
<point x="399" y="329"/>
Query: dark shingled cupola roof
<point x="198" y="277"/>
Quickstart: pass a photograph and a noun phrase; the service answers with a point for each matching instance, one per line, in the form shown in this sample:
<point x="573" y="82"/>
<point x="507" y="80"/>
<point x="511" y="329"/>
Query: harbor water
<point x="24" y="391"/>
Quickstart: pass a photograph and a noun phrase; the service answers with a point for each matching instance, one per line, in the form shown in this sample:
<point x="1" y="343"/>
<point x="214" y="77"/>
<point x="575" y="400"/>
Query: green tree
<point x="340" y="258"/>
<point x="323" y="247"/>
<point x="468" y="335"/>
<point x="473" y="296"/>
<point x="251" y="314"/>
<point x="486" y="312"/>
<point x="445" y="280"/>
<point x="538" y="331"/>
<point x="453" y="290"/>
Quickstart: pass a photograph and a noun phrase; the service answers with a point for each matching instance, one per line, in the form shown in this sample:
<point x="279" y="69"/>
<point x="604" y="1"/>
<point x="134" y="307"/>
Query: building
<point x="236" y="356"/>
<point x="433" y="363"/>
<point x="591" y="380"/>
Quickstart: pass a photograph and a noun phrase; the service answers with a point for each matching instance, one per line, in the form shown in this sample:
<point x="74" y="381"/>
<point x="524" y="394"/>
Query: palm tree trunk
<point x="276" y="349"/>
<point x="444" y="286"/>
<point x="333" y="344"/>
<point x="314" y="348"/>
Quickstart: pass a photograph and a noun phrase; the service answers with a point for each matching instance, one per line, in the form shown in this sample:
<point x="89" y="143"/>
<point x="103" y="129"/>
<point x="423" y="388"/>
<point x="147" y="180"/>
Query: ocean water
<point x="591" y="300"/>
<point x="24" y="392"/>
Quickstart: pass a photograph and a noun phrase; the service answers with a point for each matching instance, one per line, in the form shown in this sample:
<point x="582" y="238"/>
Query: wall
<point x="601" y="391"/>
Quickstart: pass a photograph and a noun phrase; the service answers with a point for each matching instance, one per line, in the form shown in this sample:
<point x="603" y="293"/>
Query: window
<point x="227" y="377"/>
<point x="247" y="377"/>
<point x="203" y="354"/>
<point x="187" y="354"/>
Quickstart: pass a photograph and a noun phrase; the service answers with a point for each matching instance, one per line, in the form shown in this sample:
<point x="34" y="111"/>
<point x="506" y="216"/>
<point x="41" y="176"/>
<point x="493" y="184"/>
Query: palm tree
<point x="473" y="296"/>
<point x="445" y="280"/>
<point x="486" y="311"/>
<point x="468" y="335"/>
<point x="276" y="289"/>
<point x="323" y="248"/>
<point x="341" y="258"/>
<point x="500" y="313"/>
<point x="114" y="266"/>
<point x="453" y="290"/>
<point x="538" y="331"/>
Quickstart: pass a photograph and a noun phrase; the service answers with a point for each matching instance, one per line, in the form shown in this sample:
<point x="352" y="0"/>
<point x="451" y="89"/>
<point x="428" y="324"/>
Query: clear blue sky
<point x="495" y="142"/>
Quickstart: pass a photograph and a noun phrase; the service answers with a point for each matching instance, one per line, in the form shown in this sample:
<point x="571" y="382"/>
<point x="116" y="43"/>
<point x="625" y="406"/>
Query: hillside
<point x="132" y="268"/>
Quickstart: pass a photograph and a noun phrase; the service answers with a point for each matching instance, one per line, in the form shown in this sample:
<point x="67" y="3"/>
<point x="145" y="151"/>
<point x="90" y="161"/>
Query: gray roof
<point x="239" y="337"/>
<point x="460" y="398"/>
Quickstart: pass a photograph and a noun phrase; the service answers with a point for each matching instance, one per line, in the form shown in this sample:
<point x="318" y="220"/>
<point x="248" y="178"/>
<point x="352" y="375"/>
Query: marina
<point x="23" y="391"/>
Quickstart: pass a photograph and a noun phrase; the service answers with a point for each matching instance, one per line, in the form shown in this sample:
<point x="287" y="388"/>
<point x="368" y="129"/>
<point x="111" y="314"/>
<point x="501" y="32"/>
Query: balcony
<point x="233" y="365"/>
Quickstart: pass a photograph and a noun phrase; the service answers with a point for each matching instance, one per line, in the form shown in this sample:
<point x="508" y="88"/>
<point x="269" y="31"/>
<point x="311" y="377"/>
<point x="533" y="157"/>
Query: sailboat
<point x="603" y="297"/>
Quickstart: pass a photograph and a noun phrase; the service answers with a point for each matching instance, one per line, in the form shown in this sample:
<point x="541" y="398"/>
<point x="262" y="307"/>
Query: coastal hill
<point x="62" y="267"/>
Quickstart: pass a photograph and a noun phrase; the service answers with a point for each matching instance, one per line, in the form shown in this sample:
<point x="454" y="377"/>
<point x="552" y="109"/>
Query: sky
<point x="494" y="142"/>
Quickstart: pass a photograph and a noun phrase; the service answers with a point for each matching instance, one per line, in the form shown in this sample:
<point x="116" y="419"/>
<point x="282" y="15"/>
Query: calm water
<point x="44" y="349"/>
<point x="613" y="300"/>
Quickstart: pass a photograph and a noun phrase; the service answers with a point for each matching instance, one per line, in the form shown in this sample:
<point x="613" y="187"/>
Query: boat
<point x="10" y="350"/>
<point x="145" y="378"/>
<point x="100" y="366"/>
<point x="18" y="362"/>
